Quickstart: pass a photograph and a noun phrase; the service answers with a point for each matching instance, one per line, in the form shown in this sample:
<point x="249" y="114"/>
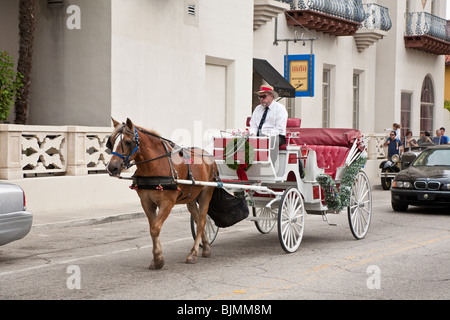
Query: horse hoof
<point x="156" y="265"/>
<point x="191" y="260"/>
<point x="206" y="253"/>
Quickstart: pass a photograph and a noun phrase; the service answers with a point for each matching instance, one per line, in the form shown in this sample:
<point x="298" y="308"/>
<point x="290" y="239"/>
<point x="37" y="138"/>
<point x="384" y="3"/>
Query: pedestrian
<point x="444" y="138"/>
<point x="437" y="139"/>
<point x="393" y="144"/>
<point x="409" y="141"/>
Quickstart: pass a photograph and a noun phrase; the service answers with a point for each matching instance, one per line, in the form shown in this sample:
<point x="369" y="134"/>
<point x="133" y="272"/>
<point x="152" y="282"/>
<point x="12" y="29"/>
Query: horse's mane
<point x="148" y="130"/>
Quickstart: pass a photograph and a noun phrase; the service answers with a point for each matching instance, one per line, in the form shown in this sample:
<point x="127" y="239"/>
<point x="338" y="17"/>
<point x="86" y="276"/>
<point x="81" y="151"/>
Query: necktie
<point x="263" y="119"/>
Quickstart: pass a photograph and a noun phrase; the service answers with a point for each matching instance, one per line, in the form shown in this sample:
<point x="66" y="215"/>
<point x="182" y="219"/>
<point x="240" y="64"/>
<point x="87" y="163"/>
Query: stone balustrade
<point x="33" y="151"/>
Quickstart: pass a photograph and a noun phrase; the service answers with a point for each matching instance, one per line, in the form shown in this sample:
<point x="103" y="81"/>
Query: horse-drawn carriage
<point x="318" y="171"/>
<point x="283" y="183"/>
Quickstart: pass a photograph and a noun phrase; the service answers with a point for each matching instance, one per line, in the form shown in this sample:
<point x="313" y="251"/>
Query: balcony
<point x="336" y="17"/>
<point x="374" y="27"/>
<point x="427" y="32"/>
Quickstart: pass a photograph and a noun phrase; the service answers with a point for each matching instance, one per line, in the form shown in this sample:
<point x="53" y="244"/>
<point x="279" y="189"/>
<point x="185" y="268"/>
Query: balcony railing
<point x="427" y="32"/>
<point x="377" y="17"/>
<point x="345" y="9"/>
<point x="335" y="17"/>
<point x="424" y="23"/>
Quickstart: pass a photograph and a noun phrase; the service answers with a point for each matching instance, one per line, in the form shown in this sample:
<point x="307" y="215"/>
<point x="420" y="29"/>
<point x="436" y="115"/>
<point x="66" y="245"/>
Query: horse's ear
<point x="115" y="123"/>
<point x="129" y="124"/>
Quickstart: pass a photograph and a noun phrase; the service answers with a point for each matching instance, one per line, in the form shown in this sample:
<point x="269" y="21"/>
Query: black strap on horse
<point x="163" y="182"/>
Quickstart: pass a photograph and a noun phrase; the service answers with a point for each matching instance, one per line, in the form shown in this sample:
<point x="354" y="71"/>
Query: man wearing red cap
<point x="270" y="117"/>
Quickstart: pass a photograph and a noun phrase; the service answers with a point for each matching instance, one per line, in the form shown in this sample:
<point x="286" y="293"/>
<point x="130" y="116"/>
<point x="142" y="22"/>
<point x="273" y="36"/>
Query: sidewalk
<point x="92" y="216"/>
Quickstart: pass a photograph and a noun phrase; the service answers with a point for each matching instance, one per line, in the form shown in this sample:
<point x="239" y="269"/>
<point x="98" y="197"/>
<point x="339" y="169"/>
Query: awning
<point x="274" y="78"/>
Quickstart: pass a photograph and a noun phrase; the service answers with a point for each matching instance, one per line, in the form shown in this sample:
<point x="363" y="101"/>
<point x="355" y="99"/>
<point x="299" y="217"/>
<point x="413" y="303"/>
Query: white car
<point x="15" y="221"/>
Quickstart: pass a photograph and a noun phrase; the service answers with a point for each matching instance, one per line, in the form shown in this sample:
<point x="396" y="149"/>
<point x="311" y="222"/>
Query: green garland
<point x="334" y="200"/>
<point x="249" y="154"/>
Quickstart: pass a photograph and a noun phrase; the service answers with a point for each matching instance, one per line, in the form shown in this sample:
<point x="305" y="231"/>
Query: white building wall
<point x="159" y="59"/>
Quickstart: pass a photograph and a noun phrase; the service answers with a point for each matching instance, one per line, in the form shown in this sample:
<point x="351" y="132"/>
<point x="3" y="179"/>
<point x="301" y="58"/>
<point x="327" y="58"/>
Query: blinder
<point x="125" y="158"/>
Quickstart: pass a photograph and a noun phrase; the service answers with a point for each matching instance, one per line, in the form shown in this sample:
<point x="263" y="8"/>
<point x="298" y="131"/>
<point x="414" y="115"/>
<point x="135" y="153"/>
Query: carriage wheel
<point x="210" y="228"/>
<point x="291" y="220"/>
<point x="268" y="219"/>
<point x="360" y="209"/>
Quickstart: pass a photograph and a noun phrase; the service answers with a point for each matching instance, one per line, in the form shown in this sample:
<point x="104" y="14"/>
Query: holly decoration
<point x="337" y="200"/>
<point x="232" y="148"/>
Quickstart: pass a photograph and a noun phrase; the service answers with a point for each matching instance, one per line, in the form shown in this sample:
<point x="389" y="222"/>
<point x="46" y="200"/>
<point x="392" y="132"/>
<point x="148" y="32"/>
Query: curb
<point x="90" y="221"/>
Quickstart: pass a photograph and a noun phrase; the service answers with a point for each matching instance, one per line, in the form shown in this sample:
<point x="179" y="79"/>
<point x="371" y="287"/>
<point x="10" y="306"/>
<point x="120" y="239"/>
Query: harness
<point x="160" y="183"/>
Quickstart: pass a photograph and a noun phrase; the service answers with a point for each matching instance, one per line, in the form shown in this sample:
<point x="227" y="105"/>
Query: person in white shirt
<point x="270" y="117"/>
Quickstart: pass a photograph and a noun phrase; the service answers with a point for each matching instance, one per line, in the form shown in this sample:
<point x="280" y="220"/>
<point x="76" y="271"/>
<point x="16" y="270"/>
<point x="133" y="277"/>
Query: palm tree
<point x="27" y="26"/>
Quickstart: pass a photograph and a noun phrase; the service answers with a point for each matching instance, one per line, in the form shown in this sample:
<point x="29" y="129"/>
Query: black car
<point x="425" y="182"/>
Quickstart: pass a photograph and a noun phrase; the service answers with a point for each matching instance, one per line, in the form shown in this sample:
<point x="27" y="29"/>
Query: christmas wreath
<point x="232" y="148"/>
<point x="338" y="200"/>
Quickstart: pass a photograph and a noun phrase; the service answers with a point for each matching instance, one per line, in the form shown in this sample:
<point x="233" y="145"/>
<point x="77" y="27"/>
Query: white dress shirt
<point x="276" y="120"/>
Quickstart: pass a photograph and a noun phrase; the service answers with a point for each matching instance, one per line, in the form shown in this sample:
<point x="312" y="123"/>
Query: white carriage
<point x="269" y="177"/>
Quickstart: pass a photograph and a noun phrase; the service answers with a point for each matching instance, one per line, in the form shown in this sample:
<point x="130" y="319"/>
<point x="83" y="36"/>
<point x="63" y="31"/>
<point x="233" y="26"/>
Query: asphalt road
<point x="404" y="256"/>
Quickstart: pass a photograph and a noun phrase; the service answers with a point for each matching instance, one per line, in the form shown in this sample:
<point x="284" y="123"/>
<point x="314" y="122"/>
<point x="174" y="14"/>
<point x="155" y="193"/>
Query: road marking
<point x="264" y="289"/>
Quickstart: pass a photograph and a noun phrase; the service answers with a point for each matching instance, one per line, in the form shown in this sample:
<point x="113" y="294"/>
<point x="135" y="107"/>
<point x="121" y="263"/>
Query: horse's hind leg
<point x="200" y="222"/>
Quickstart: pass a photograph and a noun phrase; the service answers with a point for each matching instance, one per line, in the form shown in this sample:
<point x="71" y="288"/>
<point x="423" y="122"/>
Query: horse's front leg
<point x="156" y="221"/>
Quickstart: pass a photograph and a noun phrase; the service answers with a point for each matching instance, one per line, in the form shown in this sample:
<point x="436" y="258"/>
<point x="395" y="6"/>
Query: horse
<point x="159" y="163"/>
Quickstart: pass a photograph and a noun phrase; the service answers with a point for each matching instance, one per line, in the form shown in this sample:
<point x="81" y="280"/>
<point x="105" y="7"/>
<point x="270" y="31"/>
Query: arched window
<point x="427" y="105"/>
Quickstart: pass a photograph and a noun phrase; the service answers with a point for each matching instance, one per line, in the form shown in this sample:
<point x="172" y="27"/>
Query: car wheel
<point x="386" y="182"/>
<point x="398" y="206"/>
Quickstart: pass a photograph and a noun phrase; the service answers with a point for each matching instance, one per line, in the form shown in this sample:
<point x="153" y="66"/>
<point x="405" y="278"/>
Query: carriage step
<point x="325" y="218"/>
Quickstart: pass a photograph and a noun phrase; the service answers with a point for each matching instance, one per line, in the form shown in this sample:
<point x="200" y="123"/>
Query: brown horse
<point x="158" y="163"/>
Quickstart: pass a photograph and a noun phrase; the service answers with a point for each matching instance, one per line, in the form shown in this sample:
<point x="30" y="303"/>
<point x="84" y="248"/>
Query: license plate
<point x="426" y="196"/>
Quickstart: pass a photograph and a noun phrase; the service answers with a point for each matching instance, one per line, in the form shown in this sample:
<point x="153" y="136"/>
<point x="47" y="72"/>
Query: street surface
<point x="404" y="256"/>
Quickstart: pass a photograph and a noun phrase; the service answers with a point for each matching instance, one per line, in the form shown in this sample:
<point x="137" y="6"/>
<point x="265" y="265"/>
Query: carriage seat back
<point x="331" y="145"/>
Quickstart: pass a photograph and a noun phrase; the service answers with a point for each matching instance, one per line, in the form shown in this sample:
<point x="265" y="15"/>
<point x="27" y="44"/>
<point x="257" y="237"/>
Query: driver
<point x="270" y="117"/>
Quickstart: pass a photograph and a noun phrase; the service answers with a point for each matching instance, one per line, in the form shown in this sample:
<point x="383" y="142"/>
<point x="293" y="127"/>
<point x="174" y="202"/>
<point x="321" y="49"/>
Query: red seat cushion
<point x="330" y="157"/>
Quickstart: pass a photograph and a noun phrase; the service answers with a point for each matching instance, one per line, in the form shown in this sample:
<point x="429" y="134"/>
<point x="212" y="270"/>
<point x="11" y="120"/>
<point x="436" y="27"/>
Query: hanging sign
<point x="300" y="74"/>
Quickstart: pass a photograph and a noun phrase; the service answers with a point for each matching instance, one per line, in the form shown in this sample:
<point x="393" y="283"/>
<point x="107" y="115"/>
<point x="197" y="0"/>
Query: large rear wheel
<point x="360" y="209"/>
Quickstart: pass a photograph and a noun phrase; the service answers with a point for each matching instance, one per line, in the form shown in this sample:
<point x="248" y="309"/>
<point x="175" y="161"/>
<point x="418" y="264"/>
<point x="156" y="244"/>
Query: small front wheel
<point x="211" y="229"/>
<point x="267" y="219"/>
<point x="291" y="220"/>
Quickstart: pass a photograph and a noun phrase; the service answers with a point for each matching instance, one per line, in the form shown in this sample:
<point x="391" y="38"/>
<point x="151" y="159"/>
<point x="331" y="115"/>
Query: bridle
<point x="127" y="158"/>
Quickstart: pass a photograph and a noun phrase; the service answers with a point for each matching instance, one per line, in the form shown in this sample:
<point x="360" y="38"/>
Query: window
<point x="427" y="105"/>
<point x="355" y="123"/>
<point x="326" y="99"/>
<point x="405" y="119"/>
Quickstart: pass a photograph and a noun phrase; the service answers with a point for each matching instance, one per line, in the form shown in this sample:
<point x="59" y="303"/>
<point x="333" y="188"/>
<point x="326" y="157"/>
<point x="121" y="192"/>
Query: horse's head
<point x="124" y="144"/>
